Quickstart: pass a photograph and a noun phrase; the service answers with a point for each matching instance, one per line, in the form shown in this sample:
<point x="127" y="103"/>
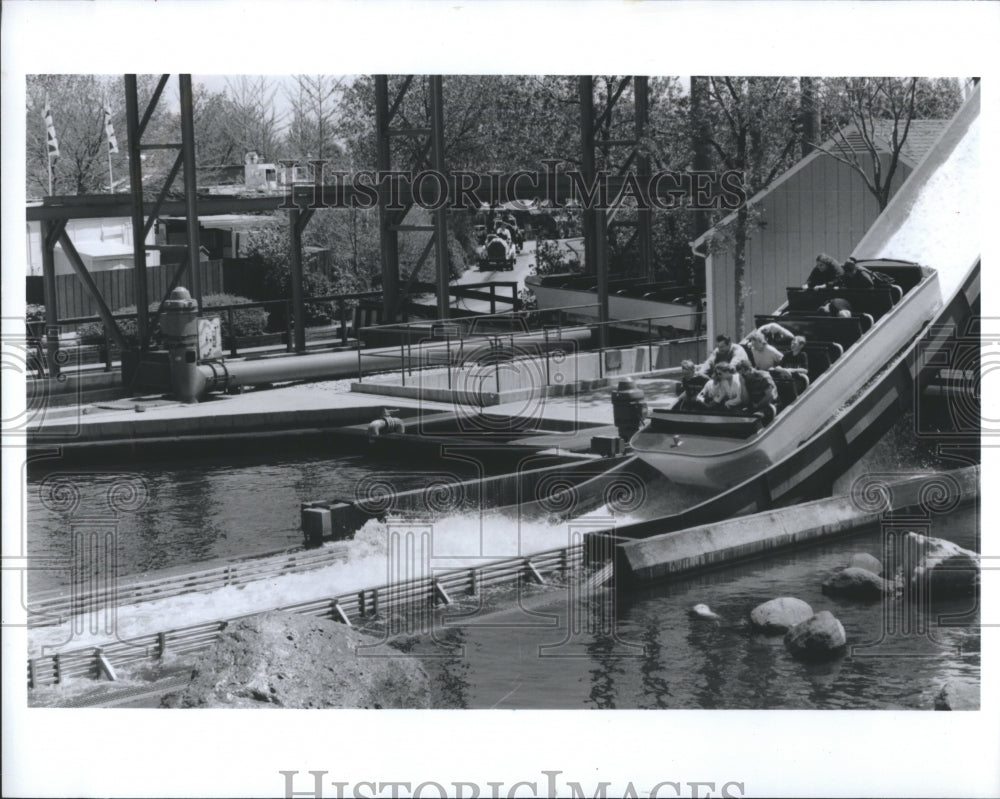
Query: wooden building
<point x="819" y="205"/>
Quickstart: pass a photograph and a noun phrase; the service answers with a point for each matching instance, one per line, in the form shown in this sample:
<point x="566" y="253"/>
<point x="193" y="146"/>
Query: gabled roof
<point x="920" y="138"/>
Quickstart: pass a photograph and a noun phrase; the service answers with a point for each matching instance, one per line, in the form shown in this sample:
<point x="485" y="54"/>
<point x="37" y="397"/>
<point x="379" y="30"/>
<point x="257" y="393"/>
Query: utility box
<point x="608" y="446"/>
<point x="331" y="521"/>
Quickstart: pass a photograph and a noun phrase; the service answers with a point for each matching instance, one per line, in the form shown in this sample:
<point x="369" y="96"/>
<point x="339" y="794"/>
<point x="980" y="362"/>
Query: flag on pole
<point x="109" y="129"/>
<point x="50" y="131"/>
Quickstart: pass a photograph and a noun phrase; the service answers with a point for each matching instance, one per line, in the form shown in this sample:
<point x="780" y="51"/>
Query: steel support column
<point x="595" y="234"/>
<point x="50" y="232"/>
<point x="388" y="236"/>
<point x="295" y="227"/>
<point x="441" y="214"/>
<point x="190" y="185"/>
<point x="645" y="219"/>
<point x="138" y="212"/>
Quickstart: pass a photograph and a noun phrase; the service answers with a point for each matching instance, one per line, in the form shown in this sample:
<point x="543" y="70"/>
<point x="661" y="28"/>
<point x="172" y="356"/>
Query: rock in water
<point x="937" y="565"/>
<point x="701" y="611"/>
<point x="855" y="583"/>
<point x="957" y="696"/>
<point x="778" y="616"/>
<point x="862" y="560"/>
<point x="287" y="660"/>
<point x="817" y="638"/>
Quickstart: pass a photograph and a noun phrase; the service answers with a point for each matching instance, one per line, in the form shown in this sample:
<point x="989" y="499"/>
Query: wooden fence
<point x="366" y="604"/>
<point x="117" y="287"/>
<point x="59" y="605"/>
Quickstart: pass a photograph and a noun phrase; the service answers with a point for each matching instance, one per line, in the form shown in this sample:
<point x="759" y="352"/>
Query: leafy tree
<point x="77" y="104"/>
<point x="750" y="124"/>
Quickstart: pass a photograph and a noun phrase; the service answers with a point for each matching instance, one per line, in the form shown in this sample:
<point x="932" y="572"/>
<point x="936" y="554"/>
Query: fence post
<point x="232" y="333"/>
<point x="402" y="363"/>
<point x="342" y="312"/>
<point x="375" y="602"/>
<point x="161" y="645"/>
<point x="288" y="326"/>
<point x="361" y="604"/>
<point x="31" y="673"/>
<point x="57" y="668"/>
<point x="107" y="349"/>
<point x="493" y="298"/>
<point x="447" y="344"/>
<point x="649" y="339"/>
<point x="359" y="360"/>
<point x="473" y="587"/>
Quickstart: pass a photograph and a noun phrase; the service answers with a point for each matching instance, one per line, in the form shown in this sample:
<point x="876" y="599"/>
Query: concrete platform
<point x="713" y="545"/>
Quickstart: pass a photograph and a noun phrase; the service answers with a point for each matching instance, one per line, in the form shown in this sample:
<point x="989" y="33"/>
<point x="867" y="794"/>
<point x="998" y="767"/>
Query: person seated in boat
<point x="773" y="333"/>
<point x="690" y="385"/>
<point x="724" y="352"/>
<point x="856" y="277"/>
<point x="795" y="364"/>
<point x="724" y="392"/>
<point x="760" y="396"/>
<point x="825" y="274"/>
<point x="838" y="306"/>
<point x="763" y="355"/>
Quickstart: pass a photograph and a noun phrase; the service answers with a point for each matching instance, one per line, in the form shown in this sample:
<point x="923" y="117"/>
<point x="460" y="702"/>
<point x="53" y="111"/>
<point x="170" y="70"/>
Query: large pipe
<point x="333" y="365"/>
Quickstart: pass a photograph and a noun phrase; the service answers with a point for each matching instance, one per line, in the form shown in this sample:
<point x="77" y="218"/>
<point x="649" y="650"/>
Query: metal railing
<point x="442" y="343"/>
<point x="57" y="606"/>
<point x="366" y="604"/>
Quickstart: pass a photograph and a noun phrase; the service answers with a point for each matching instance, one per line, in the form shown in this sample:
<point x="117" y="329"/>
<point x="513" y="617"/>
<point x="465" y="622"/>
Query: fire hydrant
<point x="179" y="325"/>
<point x="629" y="406"/>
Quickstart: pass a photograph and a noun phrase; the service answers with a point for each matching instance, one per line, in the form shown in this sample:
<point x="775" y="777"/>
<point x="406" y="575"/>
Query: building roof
<point x="920" y="138"/>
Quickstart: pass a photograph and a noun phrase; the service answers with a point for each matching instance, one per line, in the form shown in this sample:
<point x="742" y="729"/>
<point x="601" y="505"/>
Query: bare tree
<point x="874" y="117"/>
<point x="251" y="120"/>
<point x="315" y="103"/>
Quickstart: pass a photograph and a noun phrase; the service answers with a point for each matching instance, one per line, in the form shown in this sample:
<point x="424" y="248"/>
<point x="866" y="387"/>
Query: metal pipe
<point x="332" y="365"/>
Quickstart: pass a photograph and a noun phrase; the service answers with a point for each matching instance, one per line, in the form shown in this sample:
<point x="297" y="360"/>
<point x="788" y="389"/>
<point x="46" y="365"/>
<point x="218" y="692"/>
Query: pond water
<point x="655" y="655"/>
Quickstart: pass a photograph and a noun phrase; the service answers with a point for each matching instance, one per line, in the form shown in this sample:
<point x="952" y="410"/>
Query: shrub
<point x="94" y="331"/>
<point x="246" y="321"/>
<point x="314" y="284"/>
<point x="551" y="259"/>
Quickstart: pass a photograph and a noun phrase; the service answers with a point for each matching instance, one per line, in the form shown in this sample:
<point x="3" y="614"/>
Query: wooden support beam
<point x="104" y="666"/>
<point x="155" y="212"/>
<point x="532" y="572"/>
<point x="339" y="614"/>
<point x="438" y="594"/>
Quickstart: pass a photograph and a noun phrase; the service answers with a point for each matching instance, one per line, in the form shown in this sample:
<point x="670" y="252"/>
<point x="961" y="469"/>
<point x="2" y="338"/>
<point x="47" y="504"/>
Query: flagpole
<point x="111" y="177"/>
<point x="49" y="158"/>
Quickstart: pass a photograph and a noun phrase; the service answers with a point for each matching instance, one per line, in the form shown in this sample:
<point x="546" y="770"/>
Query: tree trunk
<point x="739" y="272"/>
<point x="810" y="119"/>
<point x="700" y="142"/>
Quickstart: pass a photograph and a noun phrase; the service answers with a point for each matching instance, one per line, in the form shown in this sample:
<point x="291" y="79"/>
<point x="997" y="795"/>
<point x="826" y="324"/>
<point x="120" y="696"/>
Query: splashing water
<point x="381" y="552"/>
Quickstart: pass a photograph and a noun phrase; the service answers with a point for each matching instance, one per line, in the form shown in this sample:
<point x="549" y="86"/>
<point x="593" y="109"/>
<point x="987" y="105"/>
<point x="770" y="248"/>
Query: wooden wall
<point x="117" y="286"/>
<point x="819" y="206"/>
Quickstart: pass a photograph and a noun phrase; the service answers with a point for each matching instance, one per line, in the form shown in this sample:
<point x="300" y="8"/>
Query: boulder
<point x="819" y="637"/>
<point x="778" y="616"/>
<point x="288" y="660"/>
<point x="862" y="560"/>
<point x="937" y="565"/>
<point x="855" y="583"/>
<point x="957" y="696"/>
<point x="702" y="611"/>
